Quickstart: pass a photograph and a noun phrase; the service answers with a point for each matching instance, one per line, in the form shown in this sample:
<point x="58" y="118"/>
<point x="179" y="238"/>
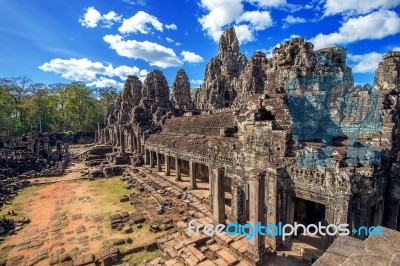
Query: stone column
<point x="59" y="150"/>
<point x="138" y="144"/>
<point x="192" y="174"/>
<point x="238" y="202"/>
<point x="118" y="137"/>
<point x="98" y="136"/>
<point x="146" y="157"/>
<point x="272" y="202"/>
<point x="256" y="248"/>
<point x="133" y="141"/>
<point x="158" y="162"/>
<point x="122" y="140"/>
<point x="151" y="159"/>
<point x="167" y="165"/>
<point x="178" y="169"/>
<point x="46" y="146"/>
<point x="218" y="197"/>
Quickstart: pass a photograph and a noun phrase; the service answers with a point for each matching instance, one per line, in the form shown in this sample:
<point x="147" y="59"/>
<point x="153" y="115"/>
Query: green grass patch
<point x="141" y="256"/>
<point x="18" y="203"/>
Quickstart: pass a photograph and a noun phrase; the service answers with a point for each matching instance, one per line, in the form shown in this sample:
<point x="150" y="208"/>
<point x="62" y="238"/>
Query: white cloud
<point x="376" y="25"/>
<point x="354" y="7"/>
<point x="124" y="71"/>
<point x="191" y="57"/>
<point x="92" y="18"/>
<point x="366" y="63"/>
<point x="224" y="13"/>
<point x="196" y="82"/>
<point x="396" y="49"/>
<point x="178" y="44"/>
<point x="221" y="13"/>
<point x="289" y="20"/>
<point x="267" y="3"/>
<point x="169" y="40"/>
<point x="244" y="33"/>
<point x="87" y="71"/>
<point x="155" y="54"/>
<point x="171" y="27"/>
<point x="259" y="20"/>
<point x="105" y="82"/>
<point x="135" y="2"/>
<point x="140" y="22"/>
<point x="110" y="18"/>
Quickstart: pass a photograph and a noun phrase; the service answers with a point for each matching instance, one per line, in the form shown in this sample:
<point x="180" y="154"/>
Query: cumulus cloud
<point x="376" y="25"/>
<point x="103" y="82"/>
<point x="92" y="18"/>
<point x="221" y="13"/>
<point x="87" y="71"/>
<point x="169" y="40"/>
<point x="153" y="53"/>
<point x="244" y="33"/>
<point x="171" y="27"/>
<point x="354" y="7"/>
<point x="290" y="20"/>
<point x="231" y="12"/>
<point x="365" y="63"/>
<point x="267" y="3"/>
<point x="191" y="57"/>
<point x="259" y="20"/>
<point x="140" y="22"/>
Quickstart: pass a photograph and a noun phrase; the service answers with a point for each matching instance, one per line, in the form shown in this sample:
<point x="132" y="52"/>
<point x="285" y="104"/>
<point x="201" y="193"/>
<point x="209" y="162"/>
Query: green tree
<point x="79" y="107"/>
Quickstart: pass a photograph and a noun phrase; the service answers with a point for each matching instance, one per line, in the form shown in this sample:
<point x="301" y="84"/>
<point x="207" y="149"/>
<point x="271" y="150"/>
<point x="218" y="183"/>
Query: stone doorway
<point x="308" y="212"/>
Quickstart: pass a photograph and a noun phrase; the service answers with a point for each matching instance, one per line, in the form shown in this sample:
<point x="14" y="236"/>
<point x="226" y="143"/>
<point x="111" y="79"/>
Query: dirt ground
<point x="70" y="217"/>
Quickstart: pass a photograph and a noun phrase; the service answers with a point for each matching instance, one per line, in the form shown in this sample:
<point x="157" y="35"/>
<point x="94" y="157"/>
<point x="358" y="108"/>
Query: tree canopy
<point x="55" y="107"/>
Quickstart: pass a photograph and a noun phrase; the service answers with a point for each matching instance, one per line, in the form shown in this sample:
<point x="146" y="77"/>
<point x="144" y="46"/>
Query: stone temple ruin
<point x="32" y="155"/>
<point x="281" y="139"/>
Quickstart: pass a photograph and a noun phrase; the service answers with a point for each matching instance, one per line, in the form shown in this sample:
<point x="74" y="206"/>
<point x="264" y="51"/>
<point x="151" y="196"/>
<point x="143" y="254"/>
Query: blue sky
<point x="101" y="42"/>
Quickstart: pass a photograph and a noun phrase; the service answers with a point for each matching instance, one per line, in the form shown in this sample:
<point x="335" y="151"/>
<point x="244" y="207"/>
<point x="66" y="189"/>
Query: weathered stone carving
<point x="180" y="94"/>
<point x="222" y="73"/>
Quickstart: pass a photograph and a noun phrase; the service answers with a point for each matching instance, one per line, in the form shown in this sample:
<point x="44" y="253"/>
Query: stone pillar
<point x="218" y="197"/>
<point x="138" y="144"/>
<point x="46" y="146"/>
<point x="238" y="202"/>
<point x="178" y="169"/>
<point x="272" y="202"/>
<point x="167" y="165"/>
<point x="59" y="150"/>
<point x="256" y="250"/>
<point x="146" y="157"/>
<point x="151" y="159"/>
<point x="158" y="162"/>
<point x="122" y="140"/>
<point x="98" y="135"/>
<point x="192" y="174"/>
<point x="133" y="141"/>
